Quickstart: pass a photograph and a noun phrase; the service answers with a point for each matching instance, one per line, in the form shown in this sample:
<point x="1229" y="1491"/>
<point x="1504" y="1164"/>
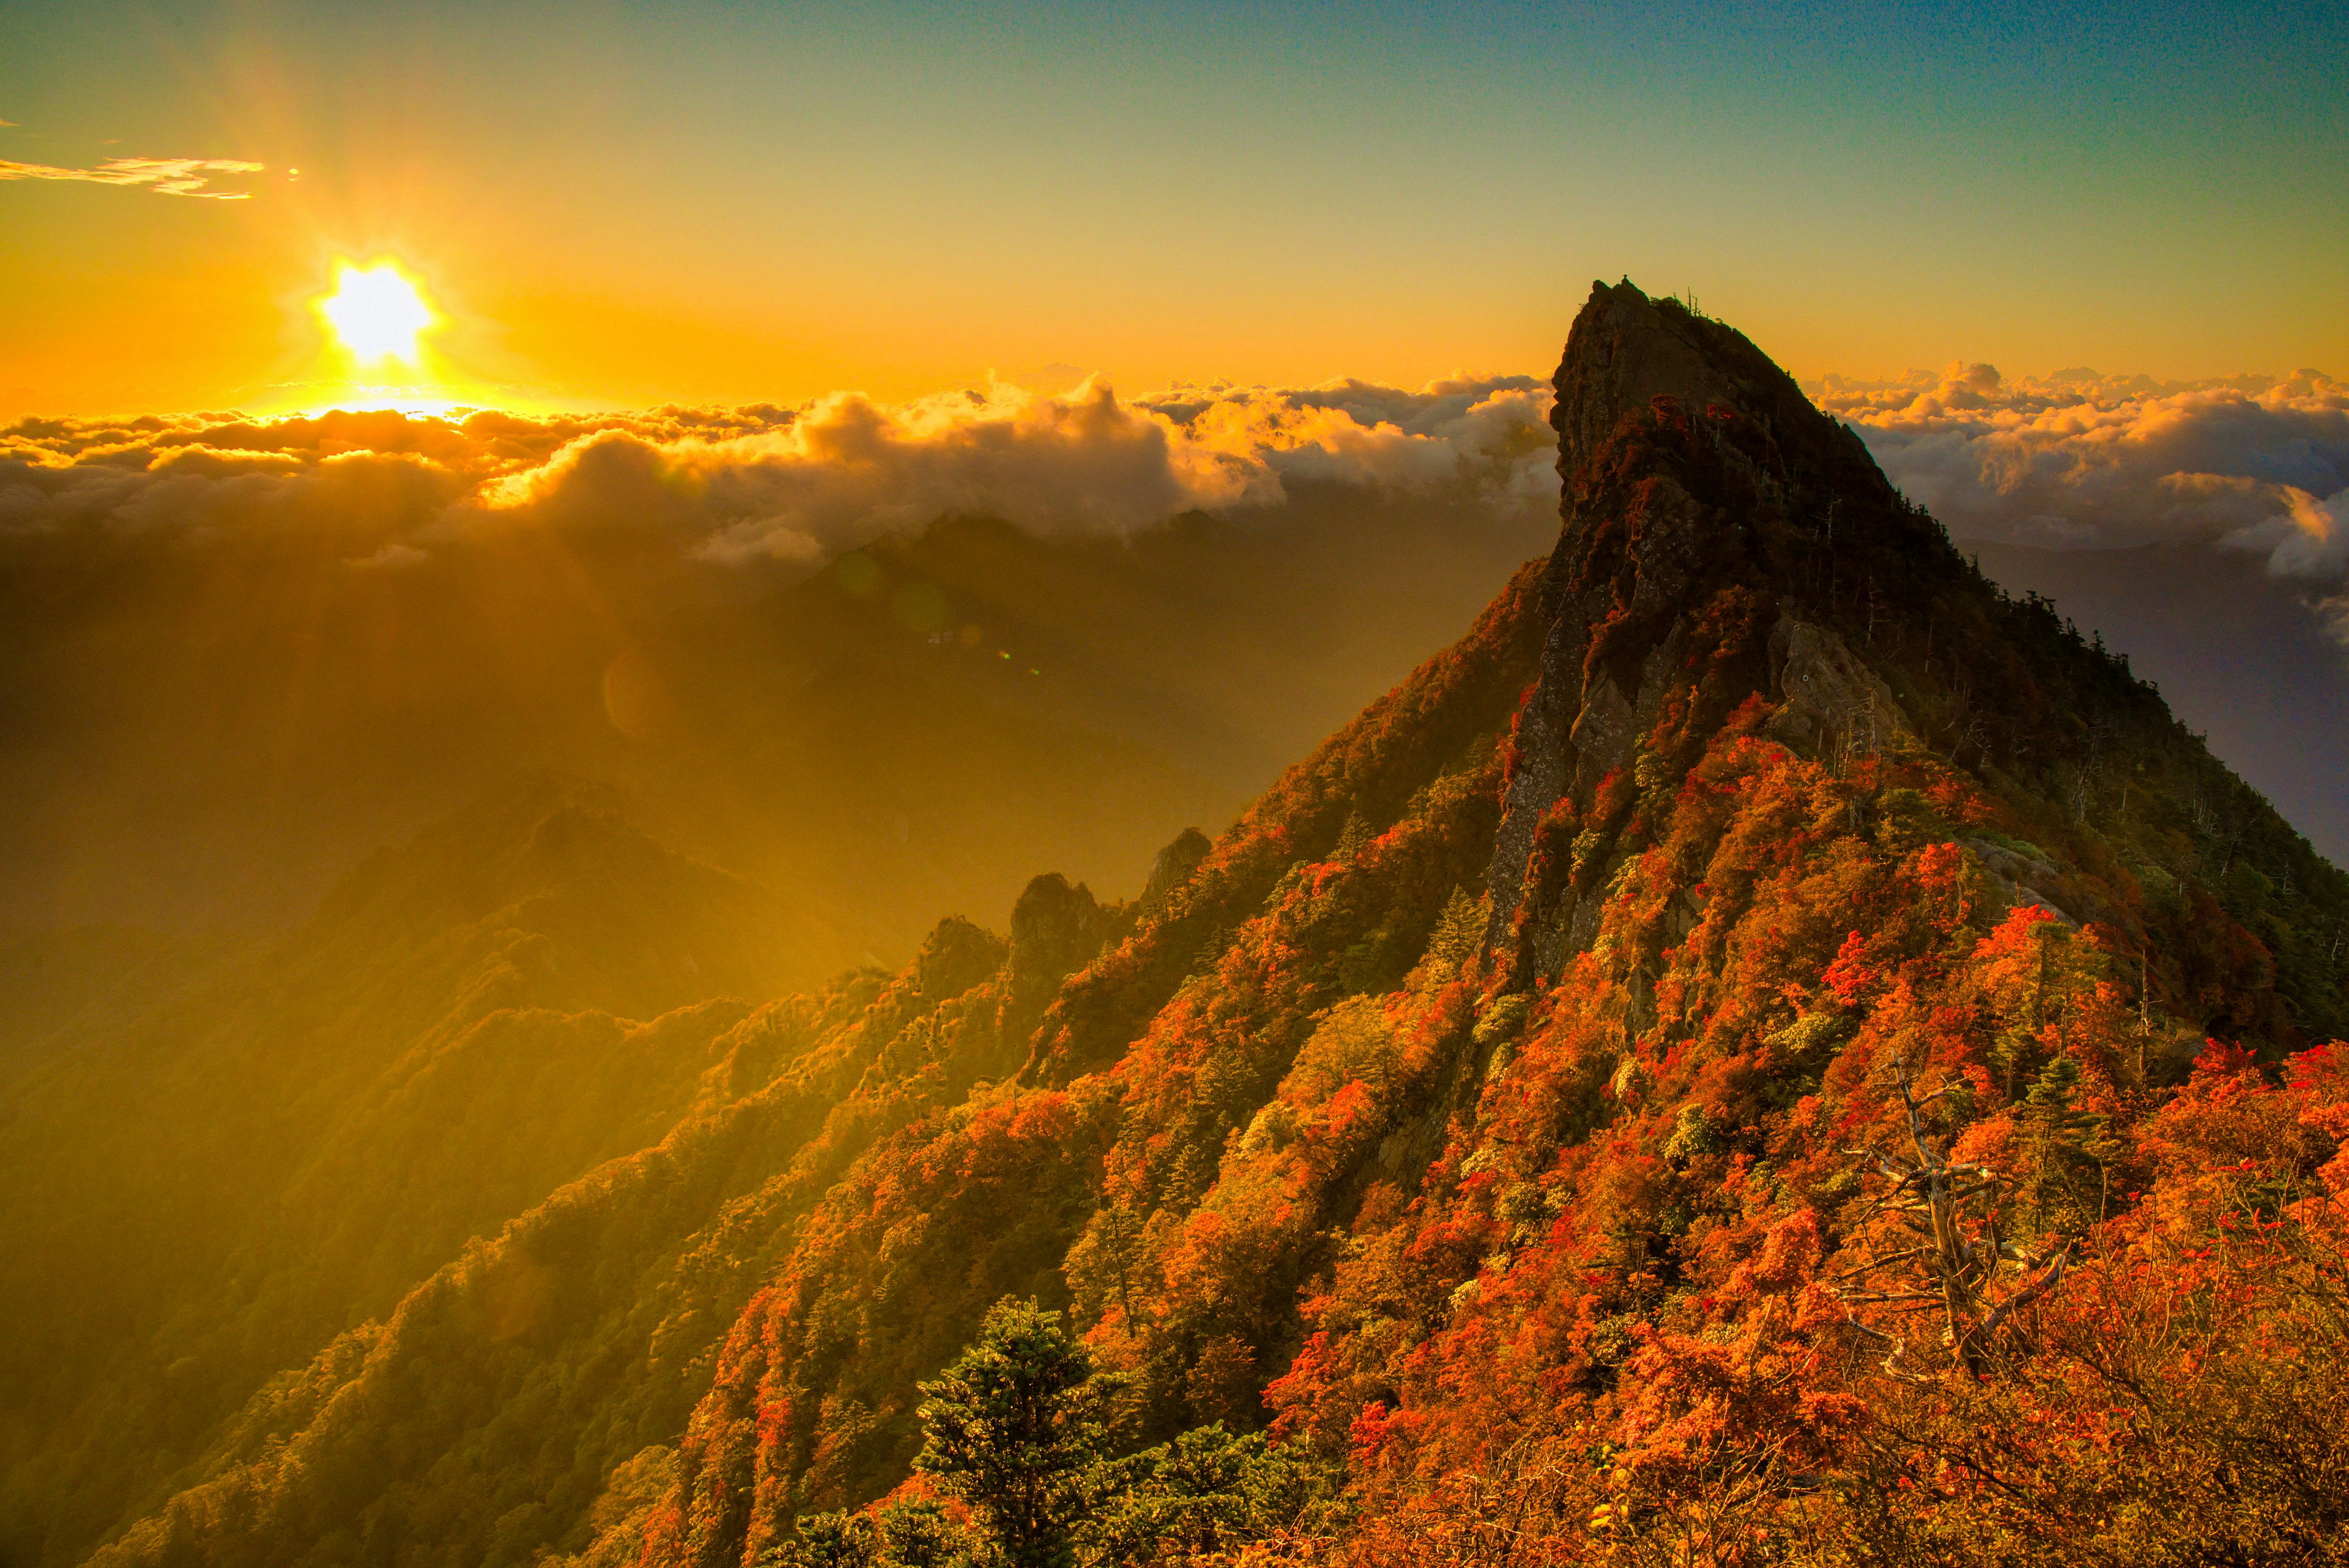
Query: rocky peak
<point x="1624" y="353"/>
<point x="1057" y="927"/>
<point x="1720" y="535"/>
<point x="1625" y="350"/>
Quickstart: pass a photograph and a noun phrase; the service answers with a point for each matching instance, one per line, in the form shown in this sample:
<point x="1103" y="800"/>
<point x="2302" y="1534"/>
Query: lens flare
<point x="377" y="312"/>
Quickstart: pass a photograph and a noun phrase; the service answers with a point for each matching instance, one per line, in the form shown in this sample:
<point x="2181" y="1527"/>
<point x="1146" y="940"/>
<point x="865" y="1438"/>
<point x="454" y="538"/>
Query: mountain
<point x="2234" y="649"/>
<point x="202" y="740"/>
<point x="206" y="1190"/>
<point x="1767" y="1048"/>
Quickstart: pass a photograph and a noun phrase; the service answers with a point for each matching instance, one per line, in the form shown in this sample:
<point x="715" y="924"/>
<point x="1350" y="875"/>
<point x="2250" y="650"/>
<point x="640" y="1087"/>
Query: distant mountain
<point x="207" y="1189"/>
<point x="2234" y="652"/>
<point x="1769" y="1049"/>
<point x="202" y="740"/>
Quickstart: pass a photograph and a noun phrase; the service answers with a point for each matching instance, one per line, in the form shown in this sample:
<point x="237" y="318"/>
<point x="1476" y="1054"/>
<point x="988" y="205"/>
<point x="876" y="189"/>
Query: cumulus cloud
<point x="2070" y="460"/>
<point x="2079" y="459"/>
<point x="762" y="482"/>
<point x="164" y="176"/>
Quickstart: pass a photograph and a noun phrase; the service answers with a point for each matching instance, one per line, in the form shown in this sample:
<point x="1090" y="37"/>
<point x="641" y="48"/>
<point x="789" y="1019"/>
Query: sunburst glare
<point x="377" y="312"/>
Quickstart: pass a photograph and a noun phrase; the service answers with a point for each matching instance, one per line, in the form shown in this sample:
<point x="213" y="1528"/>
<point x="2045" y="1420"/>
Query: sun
<point x="377" y="312"/>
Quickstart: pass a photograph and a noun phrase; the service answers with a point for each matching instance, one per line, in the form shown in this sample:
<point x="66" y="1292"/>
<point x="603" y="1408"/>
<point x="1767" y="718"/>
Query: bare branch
<point x="2028" y="1293"/>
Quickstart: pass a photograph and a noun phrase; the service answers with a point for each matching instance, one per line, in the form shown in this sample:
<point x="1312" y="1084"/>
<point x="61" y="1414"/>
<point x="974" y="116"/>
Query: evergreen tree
<point x="1014" y="1426"/>
<point x="907" y="1532"/>
<point x="2067" y="1149"/>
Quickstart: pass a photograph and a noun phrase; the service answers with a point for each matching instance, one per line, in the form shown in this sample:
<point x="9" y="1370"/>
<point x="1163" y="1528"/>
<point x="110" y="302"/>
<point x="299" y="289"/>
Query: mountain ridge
<point x="1519" y="1114"/>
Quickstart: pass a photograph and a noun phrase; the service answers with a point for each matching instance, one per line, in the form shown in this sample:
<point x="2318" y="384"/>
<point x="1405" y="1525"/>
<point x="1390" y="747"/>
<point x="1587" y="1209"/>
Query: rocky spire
<point x="1716" y="528"/>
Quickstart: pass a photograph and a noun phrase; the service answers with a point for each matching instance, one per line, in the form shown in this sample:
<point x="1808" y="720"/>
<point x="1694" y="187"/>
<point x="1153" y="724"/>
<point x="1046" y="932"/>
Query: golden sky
<point x="607" y="205"/>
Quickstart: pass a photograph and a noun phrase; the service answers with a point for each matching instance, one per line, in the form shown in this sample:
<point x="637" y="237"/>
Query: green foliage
<point x="2068" y="1151"/>
<point x="1205" y="1495"/>
<point x="1016" y="1427"/>
<point x="904" y="1532"/>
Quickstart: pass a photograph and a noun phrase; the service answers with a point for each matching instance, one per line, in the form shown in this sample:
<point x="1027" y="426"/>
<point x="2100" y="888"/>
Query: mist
<point x="888" y="660"/>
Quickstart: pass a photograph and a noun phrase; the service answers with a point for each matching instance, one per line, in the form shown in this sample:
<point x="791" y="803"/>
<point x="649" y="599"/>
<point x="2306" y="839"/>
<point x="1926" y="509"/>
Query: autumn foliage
<point x="1806" y="1063"/>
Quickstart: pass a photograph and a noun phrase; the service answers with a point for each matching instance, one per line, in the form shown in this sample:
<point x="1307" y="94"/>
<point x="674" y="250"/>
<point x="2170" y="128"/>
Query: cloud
<point x="165" y="176"/>
<point x="729" y="487"/>
<point x="845" y="468"/>
<point x="2072" y="460"/>
<point x="2079" y="459"/>
<point x="2334" y="613"/>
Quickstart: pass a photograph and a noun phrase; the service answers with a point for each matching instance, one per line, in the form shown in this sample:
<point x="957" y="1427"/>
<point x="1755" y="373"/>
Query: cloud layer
<point x="2078" y="459"/>
<point x="759" y="482"/>
<point x="2074" y="460"/>
<point x="164" y="176"/>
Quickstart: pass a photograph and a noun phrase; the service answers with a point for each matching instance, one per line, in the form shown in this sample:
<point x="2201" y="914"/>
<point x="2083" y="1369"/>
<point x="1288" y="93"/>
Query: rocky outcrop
<point x="1709" y="514"/>
<point x="1829" y="699"/>
<point x="1173" y="868"/>
<point x="2025" y="875"/>
<point x="1057" y="928"/>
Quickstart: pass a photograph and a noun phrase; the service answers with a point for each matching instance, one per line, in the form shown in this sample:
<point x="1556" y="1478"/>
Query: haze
<point x="810" y="785"/>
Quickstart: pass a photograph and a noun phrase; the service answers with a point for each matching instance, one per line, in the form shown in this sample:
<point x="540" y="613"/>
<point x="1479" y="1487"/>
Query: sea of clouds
<point x="2076" y="460"/>
<point x="2073" y="461"/>
<point x="759" y="483"/>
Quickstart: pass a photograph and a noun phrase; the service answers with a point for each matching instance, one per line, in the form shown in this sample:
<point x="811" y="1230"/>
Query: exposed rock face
<point x="2028" y="876"/>
<point x="1624" y="353"/>
<point x="1056" y="929"/>
<point x="1829" y="700"/>
<point x="1713" y="521"/>
<point x="1173" y="866"/>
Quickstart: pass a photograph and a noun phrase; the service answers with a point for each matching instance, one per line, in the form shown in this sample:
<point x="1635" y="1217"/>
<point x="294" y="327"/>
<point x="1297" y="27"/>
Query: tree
<point x="1953" y="1212"/>
<point x="1015" y="1426"/>
<point x="906" y="1532"/>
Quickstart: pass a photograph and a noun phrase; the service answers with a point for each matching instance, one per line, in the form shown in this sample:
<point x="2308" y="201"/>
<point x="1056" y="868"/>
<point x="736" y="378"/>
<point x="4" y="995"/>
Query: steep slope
<point x="1724" y="542"/>
<point x="479" y="1419"/>
<point x="1531" y="1105"/>
<point x="1772" y="703"/>
<point x="2235" y="650"/>
<point x="208" y="1190"/>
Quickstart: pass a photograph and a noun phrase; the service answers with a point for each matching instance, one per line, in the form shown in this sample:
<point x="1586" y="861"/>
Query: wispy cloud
<point x="165" y="176"/>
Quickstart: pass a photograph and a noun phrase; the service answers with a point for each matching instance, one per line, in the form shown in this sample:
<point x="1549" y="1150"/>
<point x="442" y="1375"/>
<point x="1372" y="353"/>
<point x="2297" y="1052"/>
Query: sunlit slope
<point x="208" y="1193"/>
<point x="1409" y="1177"/>
<point x="479" y="1419"/>
<point x="646" y="1264"/>
<point x="1417" y="1179"/>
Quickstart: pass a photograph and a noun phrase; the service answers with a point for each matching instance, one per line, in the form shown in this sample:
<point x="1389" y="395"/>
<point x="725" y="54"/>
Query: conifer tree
<point x="1015" y="1425"/>
<point x="2068" y="1149"/>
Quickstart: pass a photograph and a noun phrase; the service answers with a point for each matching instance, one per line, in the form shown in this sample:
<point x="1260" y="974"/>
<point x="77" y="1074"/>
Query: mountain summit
<point x="1767" y="1050"/>
<point x="1726" y="543"/>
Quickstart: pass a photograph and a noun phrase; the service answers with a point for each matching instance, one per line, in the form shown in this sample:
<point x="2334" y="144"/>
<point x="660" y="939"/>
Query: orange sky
<point x="617" y="207"/>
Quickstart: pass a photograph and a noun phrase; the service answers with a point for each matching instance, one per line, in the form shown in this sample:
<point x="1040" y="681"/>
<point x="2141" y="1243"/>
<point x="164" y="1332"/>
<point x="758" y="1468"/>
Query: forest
<point x="1767" y="1050"/>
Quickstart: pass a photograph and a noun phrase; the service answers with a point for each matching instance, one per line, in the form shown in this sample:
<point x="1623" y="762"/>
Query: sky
<point x="615" y="206"/>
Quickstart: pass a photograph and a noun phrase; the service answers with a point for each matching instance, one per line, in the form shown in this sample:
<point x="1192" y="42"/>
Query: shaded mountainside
<point x="2234" y="651"/>
<point x="1767" y="1050"/>
<point x="211" y="736"/>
